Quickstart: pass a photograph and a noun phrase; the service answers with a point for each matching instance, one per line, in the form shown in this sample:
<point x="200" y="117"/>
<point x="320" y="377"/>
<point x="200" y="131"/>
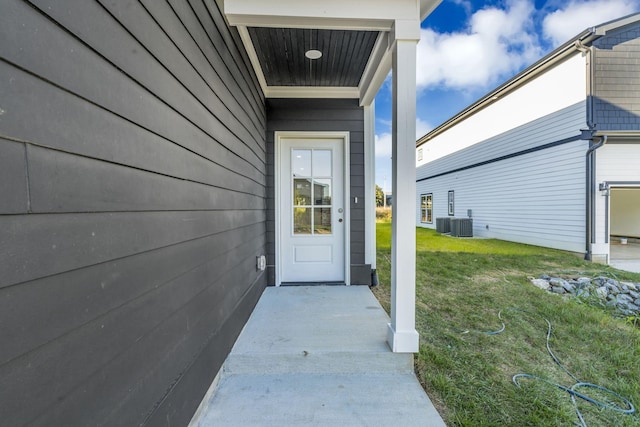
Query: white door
<point x="311" y="210"/>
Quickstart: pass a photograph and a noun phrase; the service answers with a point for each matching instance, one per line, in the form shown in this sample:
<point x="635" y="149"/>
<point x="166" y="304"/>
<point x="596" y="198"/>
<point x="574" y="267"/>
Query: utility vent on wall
<point x="443" y="225"/>
<point x="462" y="227"/>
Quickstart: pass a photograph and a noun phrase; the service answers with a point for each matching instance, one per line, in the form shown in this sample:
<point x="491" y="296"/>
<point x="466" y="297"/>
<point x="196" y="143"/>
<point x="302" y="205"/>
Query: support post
<point x="369" y="186"/>
<point x="402" y="336"/>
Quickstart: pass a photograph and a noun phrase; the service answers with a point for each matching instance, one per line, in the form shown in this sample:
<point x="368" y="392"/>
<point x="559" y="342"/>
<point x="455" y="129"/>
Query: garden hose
<point x="628" y="407"/>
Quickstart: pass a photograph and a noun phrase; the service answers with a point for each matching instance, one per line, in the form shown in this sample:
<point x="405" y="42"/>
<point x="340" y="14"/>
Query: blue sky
<point x="469" y="47"/>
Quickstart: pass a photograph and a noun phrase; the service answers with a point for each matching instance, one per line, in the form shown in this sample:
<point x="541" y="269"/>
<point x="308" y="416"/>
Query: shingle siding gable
<point x="616" y="80"/>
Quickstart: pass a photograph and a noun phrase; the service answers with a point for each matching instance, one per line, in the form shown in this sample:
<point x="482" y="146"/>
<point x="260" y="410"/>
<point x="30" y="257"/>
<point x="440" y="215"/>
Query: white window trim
<point x="425" y="195"/>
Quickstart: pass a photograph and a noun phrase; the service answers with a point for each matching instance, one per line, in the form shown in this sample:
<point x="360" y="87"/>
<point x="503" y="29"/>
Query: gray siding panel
<point x="68" y="123"/>
<point x="69" y="183"/>
<point x="320" y="115"/>
<point x="165" y="321"/>
<point x="122" y="281"/>
<point x="42" y="245"/>
<point x="616" y="80"/>
<point x="145" y="93"/>
<point x="13" y="178"/>
<point x="133" y="183"/>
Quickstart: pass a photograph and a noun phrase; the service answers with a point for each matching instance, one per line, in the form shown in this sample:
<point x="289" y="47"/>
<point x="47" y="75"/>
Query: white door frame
<point x="278" y="138"/>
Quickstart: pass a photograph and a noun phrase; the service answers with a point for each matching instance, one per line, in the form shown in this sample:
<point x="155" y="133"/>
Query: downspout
<point x="590" y="208"/>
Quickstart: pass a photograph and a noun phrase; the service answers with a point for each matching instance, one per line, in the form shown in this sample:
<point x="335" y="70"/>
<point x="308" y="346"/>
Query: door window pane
<point x="322" y="191"/>
<point x="301" y="220"/>
<point x="301" y="162"/>
<point x="312" y="191"/>
<point x="322" y="163"/>
<point x="322" y="221"/>
<point x="302" y="192"/>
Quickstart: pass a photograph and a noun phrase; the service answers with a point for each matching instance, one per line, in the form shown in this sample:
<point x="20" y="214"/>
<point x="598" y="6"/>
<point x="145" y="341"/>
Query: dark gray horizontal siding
<point x="68" y="122"/>
<point x="122" y="281"/>
<point x="69" y="183"/>
<point x="13" y="177"/>
<point x="132" y="208"/>
<point x="616" y="80"/>
<point x="47" y="244"/>
<point x="319" y="115"/>
<point x="164" y="320"/>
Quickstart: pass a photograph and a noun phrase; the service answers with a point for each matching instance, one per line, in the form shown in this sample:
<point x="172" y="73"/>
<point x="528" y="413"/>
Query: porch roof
<point x="359" y="44"/>
<point x="355" y="43"/>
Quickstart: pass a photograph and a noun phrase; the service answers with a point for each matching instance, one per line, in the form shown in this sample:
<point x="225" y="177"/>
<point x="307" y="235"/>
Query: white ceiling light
<point x="313" y="54"/>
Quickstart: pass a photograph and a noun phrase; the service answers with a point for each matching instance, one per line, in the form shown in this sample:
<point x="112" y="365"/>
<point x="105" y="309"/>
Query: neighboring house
<point x="152" y="153"/>
<point x="551" y="157"/>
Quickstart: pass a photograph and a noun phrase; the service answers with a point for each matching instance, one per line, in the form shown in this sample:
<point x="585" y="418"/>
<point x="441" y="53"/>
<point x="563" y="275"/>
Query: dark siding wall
<point x="132" y="207"/>
<point x="617" y="81"/>
<point x="319" y="115"/>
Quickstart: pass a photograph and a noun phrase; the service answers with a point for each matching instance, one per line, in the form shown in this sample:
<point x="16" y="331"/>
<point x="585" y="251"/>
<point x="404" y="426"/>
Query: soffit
<point x="281" y="54"/>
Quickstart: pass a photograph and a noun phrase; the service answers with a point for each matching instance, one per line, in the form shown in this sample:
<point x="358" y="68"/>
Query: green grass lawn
<point x="462" y="285"/>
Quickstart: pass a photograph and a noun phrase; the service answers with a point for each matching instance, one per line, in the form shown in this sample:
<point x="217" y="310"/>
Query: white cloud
<point x="496" y="42"/>
<point x="465" y="4"/>
<point x="563" y="24"/>
<point x="383" y="141"/>
<point x="422" y="127"/>
<point x="383" y="145"/>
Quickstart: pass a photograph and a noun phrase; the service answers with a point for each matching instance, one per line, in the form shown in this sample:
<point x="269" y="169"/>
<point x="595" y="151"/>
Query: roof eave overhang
<point x="378" y="16"/>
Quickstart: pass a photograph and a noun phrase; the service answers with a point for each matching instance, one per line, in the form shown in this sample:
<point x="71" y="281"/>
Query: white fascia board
<point x="616" y="24"/>
<point x="253" y="57"/>
<point x="311" y="92"/>
<point x="376" y="71"/>
<point x="308" y="22"/>
<point x="426" y="7"/>
<point x="377" y="15"/>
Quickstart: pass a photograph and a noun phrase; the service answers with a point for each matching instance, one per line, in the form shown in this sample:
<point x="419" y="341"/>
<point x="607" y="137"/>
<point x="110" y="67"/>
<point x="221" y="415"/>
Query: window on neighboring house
<point x="426" y="208"/>
<point x="419" y="154"/>
<point x="451" y="204"/>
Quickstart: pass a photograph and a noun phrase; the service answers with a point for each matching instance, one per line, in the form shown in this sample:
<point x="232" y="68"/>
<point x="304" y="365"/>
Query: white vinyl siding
<point x="565" y="123"/>
<point x="537" y="198"/>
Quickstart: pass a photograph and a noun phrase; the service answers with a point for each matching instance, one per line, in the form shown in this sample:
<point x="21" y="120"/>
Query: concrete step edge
<point x="329" y="362"/>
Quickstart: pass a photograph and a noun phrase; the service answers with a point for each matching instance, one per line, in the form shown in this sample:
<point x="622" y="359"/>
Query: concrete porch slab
<point x="317" y="355"/>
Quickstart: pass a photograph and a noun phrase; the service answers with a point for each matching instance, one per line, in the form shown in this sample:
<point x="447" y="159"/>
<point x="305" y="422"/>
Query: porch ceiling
<point x="281" y="55"/>
<point x="355" y="40"/>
